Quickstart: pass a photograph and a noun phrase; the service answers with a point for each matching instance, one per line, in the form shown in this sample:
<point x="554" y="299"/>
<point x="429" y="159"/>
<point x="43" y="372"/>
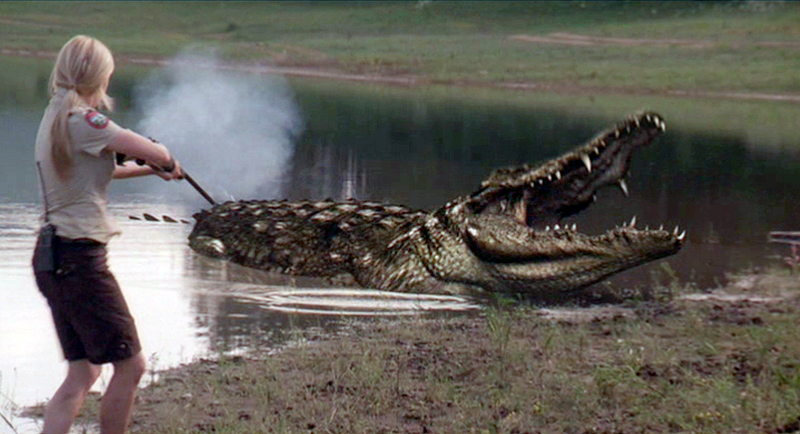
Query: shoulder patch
<point x="96" y="119"/>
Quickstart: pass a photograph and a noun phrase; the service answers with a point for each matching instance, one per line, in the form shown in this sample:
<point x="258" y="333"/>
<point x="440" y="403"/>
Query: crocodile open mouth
<point x="542" y="196"/>
<point x="538" y="198"/>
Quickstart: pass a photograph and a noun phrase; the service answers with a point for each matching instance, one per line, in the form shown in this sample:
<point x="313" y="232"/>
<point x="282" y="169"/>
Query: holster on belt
<point x="45" y="254"/>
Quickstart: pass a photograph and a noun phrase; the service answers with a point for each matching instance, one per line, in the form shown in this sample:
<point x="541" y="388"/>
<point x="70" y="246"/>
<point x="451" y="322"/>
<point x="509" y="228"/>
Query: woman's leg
<point x="115" y="410"/>
<point x="68" y="399"/>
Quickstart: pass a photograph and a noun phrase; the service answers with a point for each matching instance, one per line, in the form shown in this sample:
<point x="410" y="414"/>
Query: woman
<point x="75" y="157"/>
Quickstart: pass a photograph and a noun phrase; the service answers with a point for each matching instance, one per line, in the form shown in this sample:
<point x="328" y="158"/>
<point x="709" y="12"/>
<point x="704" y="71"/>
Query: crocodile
<point x="506" y="237"/>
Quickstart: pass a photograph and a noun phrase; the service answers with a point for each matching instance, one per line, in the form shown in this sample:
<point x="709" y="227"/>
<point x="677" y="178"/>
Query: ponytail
<point x="61" y="143"/>
<point x="80" y="77"/>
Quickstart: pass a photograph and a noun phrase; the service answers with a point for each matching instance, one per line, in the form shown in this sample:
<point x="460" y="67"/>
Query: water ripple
<point x="352" y="302"/>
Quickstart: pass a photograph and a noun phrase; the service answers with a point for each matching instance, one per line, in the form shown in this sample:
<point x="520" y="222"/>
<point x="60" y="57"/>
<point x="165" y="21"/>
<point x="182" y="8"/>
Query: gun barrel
<point x="197" y="187"/>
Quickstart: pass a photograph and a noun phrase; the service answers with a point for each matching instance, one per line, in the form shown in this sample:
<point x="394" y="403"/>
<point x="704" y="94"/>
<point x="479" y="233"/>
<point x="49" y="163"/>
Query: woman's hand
<point x="175" y="174"/>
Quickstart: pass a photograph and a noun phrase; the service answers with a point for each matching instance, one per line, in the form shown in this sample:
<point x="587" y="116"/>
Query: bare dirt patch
<point x="562" y="38"/>
<point x="586" y="41"/>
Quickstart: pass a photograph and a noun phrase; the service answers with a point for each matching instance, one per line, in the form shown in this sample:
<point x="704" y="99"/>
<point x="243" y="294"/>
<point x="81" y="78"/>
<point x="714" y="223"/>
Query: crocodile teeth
<point x="624" y="187"/>
<point x="556" y="227"/>
<point x="682" y="236"/>
<point x="558" y="174"/>
<point x="661" y="228"/>
<point x="675" y="231"/>
<point x="633" y="222"/>
<point x="574" y="227"/>
<point x="587" y="162"/>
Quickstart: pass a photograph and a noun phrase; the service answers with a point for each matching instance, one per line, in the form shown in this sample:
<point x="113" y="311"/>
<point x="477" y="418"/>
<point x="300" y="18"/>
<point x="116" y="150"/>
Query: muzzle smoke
<point x="234" y="132"/>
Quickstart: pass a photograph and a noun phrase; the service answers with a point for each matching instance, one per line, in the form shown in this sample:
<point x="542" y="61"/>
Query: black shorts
<point x="90" y="314"/>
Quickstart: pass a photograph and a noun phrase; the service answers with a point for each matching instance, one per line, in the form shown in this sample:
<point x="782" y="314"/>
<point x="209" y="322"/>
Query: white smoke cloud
<point x="232" y="131"/>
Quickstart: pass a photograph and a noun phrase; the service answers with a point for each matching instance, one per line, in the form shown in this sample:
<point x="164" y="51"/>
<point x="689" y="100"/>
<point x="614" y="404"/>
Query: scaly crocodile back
<point x="313" y="238"/>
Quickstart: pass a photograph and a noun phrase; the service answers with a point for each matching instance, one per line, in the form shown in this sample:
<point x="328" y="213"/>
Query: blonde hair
<point x="82" y="71"/>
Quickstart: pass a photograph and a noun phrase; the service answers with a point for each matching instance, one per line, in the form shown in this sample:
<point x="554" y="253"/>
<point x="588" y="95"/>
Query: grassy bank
<point x="774" y="124"/>
<point x="658" y="47"/>
<point x="724" y="363"/>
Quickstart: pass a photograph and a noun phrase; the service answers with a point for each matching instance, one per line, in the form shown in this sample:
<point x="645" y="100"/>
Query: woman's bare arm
<point x="136" y="146"/>
<point x="130" y="169"/>
<point x="155" y="155"/>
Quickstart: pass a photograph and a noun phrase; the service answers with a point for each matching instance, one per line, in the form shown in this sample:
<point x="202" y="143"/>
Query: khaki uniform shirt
<point x="76" y="206"/>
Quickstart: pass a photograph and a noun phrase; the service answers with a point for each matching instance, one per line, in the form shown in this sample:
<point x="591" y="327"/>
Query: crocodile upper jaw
<point x="566" y="185"/>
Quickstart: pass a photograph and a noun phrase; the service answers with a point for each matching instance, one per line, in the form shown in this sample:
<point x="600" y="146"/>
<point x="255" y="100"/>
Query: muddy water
<point x="727" y="190"/>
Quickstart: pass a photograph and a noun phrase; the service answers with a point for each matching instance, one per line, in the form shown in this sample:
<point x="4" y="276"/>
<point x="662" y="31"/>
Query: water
<point x="408" y="147"/>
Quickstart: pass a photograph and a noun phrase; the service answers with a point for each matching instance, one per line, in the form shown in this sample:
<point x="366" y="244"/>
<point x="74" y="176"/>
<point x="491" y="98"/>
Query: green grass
<point x="672" y="366"/>
<point x="445" y="41"/>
